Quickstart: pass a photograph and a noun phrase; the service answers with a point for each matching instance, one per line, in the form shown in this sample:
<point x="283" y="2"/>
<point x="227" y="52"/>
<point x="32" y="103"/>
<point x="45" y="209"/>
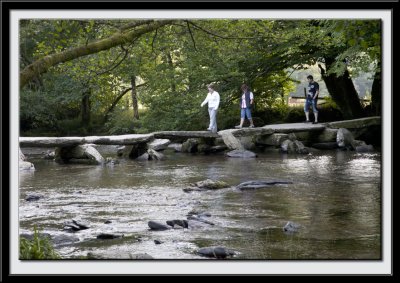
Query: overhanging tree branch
<point x="135" y="24"/>
<point x="118" y="98"/>
<point x="117" y="64"/>
<point x="115" y="102"/>
<point x="191" y="35"/>
<point x="42" y="65"/>
<point x="152" y="41"/>
<point x="222" y="36"/>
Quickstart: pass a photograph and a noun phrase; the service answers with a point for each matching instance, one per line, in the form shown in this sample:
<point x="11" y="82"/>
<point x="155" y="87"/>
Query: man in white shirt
<point x="213" y="103"/>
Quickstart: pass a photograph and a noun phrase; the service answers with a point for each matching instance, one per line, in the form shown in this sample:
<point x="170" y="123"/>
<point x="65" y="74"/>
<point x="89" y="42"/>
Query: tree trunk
<point x="343" y="92"/>
<point x="42" y="65"/>
<point x="376" y="93"/>
<point x="85" y="107"/>
<point x="134" y="99"/>
<point x="119" y="97"/>
<point x="171" y="65"/>
<point x="115" y="103"/>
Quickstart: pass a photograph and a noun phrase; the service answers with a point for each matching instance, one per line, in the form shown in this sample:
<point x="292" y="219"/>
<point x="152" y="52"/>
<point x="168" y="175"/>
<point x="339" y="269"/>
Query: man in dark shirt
<point x="311" y="99"/>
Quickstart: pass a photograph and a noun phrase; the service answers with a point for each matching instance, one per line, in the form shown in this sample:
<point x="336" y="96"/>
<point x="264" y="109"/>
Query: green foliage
<point x="330" y="103"/>
<point x="355" y="44"/>
<point x="57" y="98"/>
<point x="71" y="127"/>
<point x="228" y="117"/>
<point x="35" y="111"/>
<point x="122" y="122"/>
<point x="175" y="111"/>
<point x="271" y="115"/>
<point x="40" y="247"/>
<point x="327" y="112"/>
<point x="174" y="64"/>
<point x="294" y="115"/>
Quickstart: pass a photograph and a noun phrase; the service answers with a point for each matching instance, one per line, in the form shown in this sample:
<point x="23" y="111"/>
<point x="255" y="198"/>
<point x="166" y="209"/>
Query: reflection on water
<point x="335" y="197"/>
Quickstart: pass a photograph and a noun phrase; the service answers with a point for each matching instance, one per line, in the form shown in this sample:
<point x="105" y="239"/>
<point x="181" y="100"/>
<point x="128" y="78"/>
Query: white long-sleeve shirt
<point x="212" y="99"/>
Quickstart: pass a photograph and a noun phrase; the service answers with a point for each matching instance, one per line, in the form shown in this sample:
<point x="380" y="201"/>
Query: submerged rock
<point x="365" y="148"/>
<point x="49" y="154"/>
<point x="291" y="227"/>
<point x="151" y="154"/>
<point x="81" y="223"/>
<point x="249" y="185"/>
<point x="206" y="185"/>
<point x="141" y="256"/>
<point x="361" y="146"/>
<point x="293" y="146"/>
<point x="76" y="225"/>
<point x="157" y="226"/>
<point x="71" y="227"/>
<point x="182" y="223"/>
<point x="30" y="236"/>
<point x="325" y="145"/>
<point x="111" y="161"/>
<point x="199" y="213"/>
<point x="210" y="185"/>
<point x="33" y="197"/>
<point x="199" y="219"/>
<point x="240" y="153"/>
<point x="106" y="236"/>
<point x="190" y="145"/>
<point x="215" y="252"/>
<point x="62" y="240"/>
<point x="25" y="165"/>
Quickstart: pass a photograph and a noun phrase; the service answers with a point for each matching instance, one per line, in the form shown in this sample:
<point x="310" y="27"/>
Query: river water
<point x="335" y="198"/>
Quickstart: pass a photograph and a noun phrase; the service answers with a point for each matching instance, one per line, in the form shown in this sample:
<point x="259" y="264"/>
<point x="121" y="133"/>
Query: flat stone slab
<point x="73" y="141"/>
<point x="295" y="127"/>
<point x="120" y="140"/>
<point x="356" y="123"/>
<point x="183" y="135"/>
<point x="50" y="141"/>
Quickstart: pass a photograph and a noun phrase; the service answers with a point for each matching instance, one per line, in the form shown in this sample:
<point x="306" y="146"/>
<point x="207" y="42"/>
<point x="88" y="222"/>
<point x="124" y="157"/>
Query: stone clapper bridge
<point x="278" y="136"/>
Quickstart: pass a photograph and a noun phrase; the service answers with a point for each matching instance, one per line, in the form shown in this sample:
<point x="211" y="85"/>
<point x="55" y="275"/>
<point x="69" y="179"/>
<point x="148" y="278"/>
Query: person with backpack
<point x="246" y="103"/>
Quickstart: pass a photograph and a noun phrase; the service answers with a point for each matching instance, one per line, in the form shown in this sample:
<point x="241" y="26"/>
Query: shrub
<point x="295" y="115"/>
<point x="270" y="115"/>
<point x="121" y="122"/>
<point x="70" y="127"/>
<point x="326" y="113"/>
<point x="40" y="247"/>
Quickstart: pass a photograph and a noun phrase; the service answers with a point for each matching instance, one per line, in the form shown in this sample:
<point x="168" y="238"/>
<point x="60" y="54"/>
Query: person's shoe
<point x="315" y="122"/>
<point x="238" y="127"/>
<point x="208" y="129"/>
<point x="251" y="126"/>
